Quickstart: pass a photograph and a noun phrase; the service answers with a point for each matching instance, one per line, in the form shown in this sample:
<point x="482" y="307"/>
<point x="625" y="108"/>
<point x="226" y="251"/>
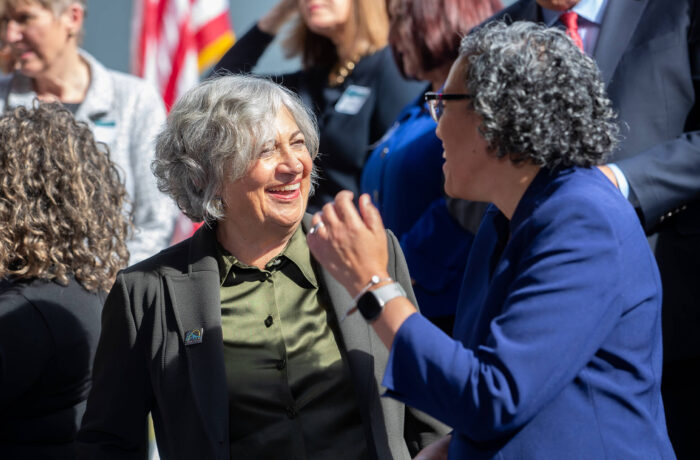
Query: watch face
<point x="369" y="306"/>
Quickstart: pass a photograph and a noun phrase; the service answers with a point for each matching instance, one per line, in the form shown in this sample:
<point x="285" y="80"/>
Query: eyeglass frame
<point x="436" y="102"/>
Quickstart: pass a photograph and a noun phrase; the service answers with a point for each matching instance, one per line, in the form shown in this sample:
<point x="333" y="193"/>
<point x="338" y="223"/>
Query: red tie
<point x="570" y="20"/>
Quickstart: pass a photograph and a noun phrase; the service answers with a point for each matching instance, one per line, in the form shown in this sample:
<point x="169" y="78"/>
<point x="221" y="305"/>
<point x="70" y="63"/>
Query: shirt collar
<point x="590" y="10"/>
<point x="296" y="251"/>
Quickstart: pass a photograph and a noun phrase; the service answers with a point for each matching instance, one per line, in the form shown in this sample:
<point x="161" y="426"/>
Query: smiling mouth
<point x="286" y="192"/>
<point x="285" y="188"/>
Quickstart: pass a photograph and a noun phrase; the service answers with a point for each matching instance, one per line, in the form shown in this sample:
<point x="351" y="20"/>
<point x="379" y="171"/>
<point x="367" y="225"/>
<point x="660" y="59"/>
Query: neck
<point x="67" y="80"/>
<point x="348" y="45"/>
<point x="252" y="246"/>
<point x="515" y="181"/>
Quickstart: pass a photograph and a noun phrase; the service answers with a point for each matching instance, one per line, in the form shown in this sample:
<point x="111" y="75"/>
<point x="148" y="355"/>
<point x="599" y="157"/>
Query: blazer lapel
<point x="619" y="23"/>
<point x="354" y="330"/>
<point x="195" y="299"/>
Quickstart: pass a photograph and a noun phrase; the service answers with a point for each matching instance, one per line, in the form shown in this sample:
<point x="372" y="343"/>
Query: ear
<point x="73" y="17"/>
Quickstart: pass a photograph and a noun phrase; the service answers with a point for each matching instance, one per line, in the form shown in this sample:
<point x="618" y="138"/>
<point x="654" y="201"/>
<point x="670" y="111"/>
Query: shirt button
<point x="385" y="150"/>
<point x="268" y="321"/>
<point x="281" y="364"/>
<point x="291" y="413"/>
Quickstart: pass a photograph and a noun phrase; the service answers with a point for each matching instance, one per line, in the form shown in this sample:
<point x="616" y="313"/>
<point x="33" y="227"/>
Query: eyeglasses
<point x="436" y="102"/>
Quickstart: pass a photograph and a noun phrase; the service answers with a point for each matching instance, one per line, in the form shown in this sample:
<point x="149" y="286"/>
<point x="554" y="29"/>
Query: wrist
<point x="369" y="282"/>
<point x="273" y="21"/>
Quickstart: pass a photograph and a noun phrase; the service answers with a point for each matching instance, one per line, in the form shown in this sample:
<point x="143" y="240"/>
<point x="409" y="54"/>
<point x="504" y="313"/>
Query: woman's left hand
<point x="352" y="246"/>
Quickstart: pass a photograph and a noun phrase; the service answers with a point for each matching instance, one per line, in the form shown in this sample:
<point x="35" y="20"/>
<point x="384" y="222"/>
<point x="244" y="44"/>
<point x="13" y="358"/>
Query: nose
<point x="290" y="162"/>
<point x="438" y="131"/>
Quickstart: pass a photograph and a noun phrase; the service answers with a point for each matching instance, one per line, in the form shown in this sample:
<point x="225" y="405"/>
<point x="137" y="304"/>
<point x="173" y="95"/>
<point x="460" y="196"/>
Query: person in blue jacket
<point x="557" y="340"/>
<point x="403" y="174"/>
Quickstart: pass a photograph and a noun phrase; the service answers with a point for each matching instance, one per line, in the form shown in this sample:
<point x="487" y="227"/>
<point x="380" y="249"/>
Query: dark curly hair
<point x="61" y="200"/>
<point x="540" y="98"/>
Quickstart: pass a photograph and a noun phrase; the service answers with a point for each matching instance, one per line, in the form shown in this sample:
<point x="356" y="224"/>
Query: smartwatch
<point x="371" y="303"/>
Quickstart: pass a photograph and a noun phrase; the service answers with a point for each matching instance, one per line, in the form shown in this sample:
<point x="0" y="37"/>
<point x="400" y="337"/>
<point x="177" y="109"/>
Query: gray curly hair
<point x="540" y="98"/>
<point x="215" y="132"/>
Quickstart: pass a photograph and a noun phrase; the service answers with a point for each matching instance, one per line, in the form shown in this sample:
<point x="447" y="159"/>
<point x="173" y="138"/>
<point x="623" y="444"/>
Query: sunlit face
<point x="326" y="17"/>
<point x="274" y="192"/>
<point x="468" y="163"/>
<point x="36" y="38"/>
<point x="557" y="5"/>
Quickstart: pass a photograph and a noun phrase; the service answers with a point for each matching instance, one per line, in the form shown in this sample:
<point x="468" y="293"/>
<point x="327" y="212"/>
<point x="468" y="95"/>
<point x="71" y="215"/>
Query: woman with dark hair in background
<point x="348" y="78"/>
<point x="62" y="241"/>
<point x="403" y="175"/>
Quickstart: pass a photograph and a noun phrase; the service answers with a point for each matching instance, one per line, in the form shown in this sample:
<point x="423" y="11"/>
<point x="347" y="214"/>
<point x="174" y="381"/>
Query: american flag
<point x="175" y="41"/>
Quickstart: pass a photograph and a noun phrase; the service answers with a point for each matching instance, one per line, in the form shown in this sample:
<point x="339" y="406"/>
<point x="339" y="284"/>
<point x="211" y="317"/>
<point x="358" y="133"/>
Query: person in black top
<point x="349" y="79"/>
<point x="61" y="244"/>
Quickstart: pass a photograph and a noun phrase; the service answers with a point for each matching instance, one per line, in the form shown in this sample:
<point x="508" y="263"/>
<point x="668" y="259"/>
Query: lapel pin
<point x="194" y="336"/>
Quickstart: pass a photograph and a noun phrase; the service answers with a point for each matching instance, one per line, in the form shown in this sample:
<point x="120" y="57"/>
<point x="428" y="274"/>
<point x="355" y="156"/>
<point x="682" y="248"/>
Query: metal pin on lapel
<point x="194" y="336"/>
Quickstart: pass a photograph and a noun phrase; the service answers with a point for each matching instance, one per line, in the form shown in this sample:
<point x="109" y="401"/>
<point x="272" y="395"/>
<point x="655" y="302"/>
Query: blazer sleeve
<point x="561" y="305"/>
<point x="244" y="55"/>
<point x="666" y="176"/>
<point x="114" y="425"/>
<point x="420" y="429"/>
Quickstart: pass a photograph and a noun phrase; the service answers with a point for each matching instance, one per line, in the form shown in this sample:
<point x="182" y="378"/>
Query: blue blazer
<point x="648" y="52"/>
<point x="557" y="348"/>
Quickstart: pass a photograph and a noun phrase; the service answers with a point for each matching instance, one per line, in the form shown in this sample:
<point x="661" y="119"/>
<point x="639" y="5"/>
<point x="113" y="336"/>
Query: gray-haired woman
<point x="232" y="338"/>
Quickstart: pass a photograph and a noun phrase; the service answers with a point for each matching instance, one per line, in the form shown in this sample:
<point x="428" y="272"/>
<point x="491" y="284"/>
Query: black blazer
<point x="48" y="338"/>
<point x="143" y="364"/>
<point x="648" y="52"/>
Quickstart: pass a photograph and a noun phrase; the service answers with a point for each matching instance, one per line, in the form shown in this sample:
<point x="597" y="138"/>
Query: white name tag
<point x="105" y="131"/>
<point x="352" y="99"/>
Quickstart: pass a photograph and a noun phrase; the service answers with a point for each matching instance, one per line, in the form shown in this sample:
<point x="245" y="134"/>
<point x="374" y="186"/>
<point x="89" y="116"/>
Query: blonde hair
<point x="372" y="25"/>
<point x="61" y="200"/>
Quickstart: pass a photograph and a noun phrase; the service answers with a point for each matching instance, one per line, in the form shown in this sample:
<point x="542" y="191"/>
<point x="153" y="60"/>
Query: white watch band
<point x="388" y="292"/>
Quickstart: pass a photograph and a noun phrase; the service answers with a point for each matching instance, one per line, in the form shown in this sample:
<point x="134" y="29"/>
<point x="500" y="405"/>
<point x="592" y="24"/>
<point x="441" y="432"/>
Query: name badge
<point x="105" y="131"/>
<point x="352" y="99"/>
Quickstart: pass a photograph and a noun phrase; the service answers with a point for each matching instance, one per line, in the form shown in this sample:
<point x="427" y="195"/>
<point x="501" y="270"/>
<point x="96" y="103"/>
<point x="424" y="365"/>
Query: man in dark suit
<point x="649" y="54"/>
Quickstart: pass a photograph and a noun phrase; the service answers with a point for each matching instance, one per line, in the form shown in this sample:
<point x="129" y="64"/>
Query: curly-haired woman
<point x="62" y="241"/>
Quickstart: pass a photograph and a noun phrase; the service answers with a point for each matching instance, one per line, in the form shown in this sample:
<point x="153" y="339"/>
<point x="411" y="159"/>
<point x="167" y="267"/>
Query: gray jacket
<point x="125" y="113"/>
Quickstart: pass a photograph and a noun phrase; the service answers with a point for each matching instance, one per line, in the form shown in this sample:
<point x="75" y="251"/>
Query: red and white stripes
<point x="174" y="41"/>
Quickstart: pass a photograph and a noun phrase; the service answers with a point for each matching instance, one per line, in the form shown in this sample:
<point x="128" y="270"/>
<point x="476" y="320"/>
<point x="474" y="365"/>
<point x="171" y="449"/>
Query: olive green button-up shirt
<point x="290" y="393"/>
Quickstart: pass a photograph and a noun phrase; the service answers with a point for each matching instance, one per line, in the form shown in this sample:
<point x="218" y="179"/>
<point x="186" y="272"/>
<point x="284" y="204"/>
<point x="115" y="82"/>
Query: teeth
<point x="286" y="188"/>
